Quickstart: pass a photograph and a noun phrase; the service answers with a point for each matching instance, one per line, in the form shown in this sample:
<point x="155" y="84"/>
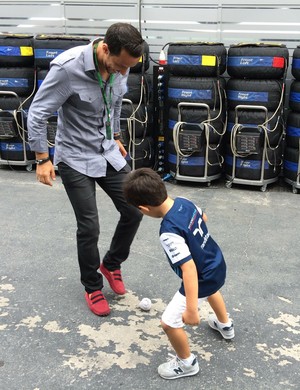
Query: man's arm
<point x="53" y="92"/>
<point x="51" y="95"/>
<point x="117" y="114"/>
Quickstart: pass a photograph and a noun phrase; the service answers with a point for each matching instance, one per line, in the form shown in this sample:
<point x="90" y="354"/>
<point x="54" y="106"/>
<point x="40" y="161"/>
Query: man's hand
<point x="45" y="173"/>
<point x="121" y="148"/>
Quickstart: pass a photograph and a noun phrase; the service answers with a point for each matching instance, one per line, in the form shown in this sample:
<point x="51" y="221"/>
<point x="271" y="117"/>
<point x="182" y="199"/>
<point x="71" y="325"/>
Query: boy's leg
<point x="178" y="340"/>
<point x="217" y="303"/>
<point x="173" y="325"/>
<point x="184" y="363"/>
<point x="220" y="321"/>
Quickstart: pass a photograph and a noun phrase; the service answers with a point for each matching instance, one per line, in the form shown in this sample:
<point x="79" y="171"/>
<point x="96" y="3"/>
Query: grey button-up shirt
<point x="72" y="90"/>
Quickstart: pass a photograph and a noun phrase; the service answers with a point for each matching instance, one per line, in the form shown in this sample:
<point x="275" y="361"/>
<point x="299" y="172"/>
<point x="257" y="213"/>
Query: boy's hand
<point x="191" y="317"/>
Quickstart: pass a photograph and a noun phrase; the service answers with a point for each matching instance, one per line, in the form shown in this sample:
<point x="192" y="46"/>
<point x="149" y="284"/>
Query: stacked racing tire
<point x="255" y="129"/>
<point x="291" y="163"/>
<point x="16" y="90"/>
<point x="195" y="110"/>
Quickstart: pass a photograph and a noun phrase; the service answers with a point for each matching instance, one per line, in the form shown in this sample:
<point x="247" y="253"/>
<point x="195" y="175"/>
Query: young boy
<point x="196" y="259"/>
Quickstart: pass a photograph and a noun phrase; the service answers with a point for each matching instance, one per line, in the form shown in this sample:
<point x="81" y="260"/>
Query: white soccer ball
<point x="145" y="304"/>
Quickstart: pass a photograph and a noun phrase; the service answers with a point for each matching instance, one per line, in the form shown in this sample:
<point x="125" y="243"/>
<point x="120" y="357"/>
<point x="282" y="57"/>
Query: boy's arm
<point x="190" y="280"/>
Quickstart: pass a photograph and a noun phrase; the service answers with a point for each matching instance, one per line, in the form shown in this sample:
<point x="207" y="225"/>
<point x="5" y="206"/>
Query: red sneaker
<point x="97" y="303"/>
<point x="114" y="279"/>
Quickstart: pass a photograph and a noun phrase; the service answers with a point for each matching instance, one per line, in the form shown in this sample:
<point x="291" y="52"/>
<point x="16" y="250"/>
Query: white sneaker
<point x="176" y="368"/>
<point x="227" y="332"/>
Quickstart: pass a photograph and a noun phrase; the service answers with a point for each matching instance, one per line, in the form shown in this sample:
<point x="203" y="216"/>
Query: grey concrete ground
<point x="50" y="340"/>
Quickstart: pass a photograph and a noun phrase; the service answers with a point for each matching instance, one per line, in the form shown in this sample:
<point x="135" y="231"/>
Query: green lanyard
<point x="107" y="102"/>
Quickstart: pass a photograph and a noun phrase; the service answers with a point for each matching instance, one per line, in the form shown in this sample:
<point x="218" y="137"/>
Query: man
<point x="85" y="85"/>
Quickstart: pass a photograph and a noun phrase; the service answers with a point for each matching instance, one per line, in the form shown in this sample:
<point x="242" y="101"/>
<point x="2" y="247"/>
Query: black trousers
<point x="81" y="191"/>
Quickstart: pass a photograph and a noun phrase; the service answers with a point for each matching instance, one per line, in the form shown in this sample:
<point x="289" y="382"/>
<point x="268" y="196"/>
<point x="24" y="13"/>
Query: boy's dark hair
<point x="144" y="187"/>
<point x="124" y="36"/>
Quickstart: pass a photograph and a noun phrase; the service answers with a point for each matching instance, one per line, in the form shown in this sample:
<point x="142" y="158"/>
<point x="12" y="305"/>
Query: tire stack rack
<point x="255" y="131"/>
<point x="291" y="163"/>
<point x="195" y="110"/>
<point x="16" y="90"/>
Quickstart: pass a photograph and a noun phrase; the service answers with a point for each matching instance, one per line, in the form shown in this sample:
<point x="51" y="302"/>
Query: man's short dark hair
<point x="124" y="36"/>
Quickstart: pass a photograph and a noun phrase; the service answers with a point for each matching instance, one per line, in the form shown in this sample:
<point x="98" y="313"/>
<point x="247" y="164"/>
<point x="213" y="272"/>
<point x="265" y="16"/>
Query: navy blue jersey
<point x="184" y="237"/>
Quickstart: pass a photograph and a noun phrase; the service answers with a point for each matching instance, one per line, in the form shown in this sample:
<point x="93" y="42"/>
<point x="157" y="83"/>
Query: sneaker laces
<point x="173" y="360"/>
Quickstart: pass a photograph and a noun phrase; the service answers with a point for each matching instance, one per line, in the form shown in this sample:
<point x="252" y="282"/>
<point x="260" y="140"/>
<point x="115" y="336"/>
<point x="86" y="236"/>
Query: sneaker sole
<point x="180" y="376"/>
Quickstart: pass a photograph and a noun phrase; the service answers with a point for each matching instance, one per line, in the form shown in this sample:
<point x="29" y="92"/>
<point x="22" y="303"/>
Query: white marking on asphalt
<point x="7" y="287"/>
<point x="125" y="343"/>
<point x="277" y="353"/>
<point x="53" y="327"/>
<point x="4" y="302"/>
<point x="30" y="322"/>
<point x="127" y="338"/>
<point x="287" y="352"/>
<point x="289" y="321"/>
<point x="285" y="300"/>
<point x="249" y="372"/>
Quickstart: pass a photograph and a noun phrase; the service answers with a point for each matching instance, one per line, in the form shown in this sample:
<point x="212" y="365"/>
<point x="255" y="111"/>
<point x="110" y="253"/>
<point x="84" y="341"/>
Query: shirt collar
<point x="89" y="64"/>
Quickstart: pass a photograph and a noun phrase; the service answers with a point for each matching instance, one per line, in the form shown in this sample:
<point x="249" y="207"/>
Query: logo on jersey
<point x="201" y="232"/>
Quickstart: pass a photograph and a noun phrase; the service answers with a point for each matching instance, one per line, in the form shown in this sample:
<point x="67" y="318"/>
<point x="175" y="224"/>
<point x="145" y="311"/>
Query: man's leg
<point x="130" y="218"/>
<point x="81" y="192"/>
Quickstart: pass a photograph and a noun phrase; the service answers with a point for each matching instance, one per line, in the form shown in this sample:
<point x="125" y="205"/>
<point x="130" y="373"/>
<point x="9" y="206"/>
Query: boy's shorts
<point x="172" y="316"/>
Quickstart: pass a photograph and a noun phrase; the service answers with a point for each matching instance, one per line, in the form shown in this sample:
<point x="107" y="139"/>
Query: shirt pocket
<point x="89" y="102"/>
<point x="118" y="91"/>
